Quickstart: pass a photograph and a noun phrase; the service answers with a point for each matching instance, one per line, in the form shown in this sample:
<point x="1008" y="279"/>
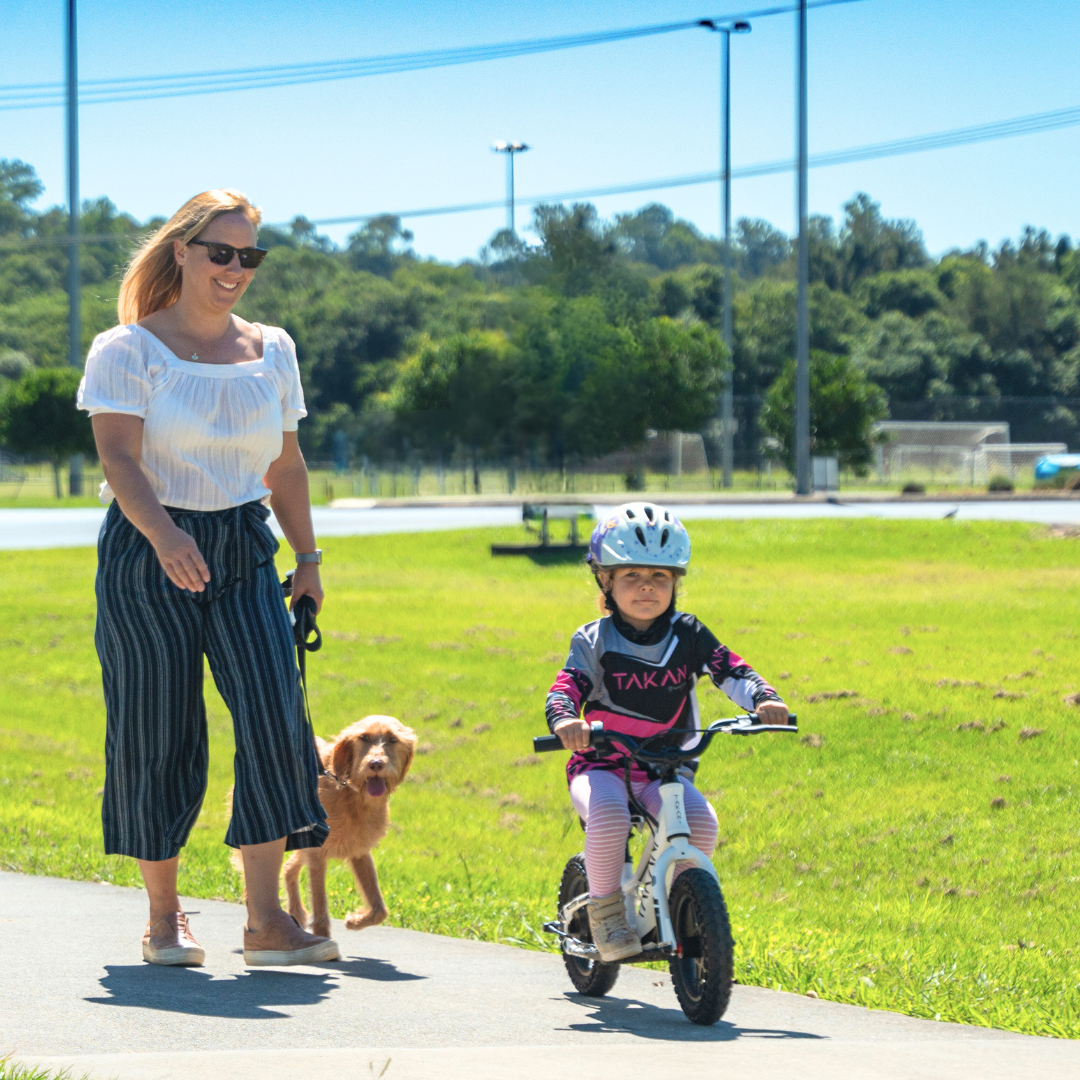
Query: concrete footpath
<point x="79" y="526"/>
<point x="75" y="993"/>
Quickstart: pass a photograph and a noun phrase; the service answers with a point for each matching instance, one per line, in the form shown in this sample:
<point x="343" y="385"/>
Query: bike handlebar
<point x="545" y="744"/>
<point x="636" y="748"/>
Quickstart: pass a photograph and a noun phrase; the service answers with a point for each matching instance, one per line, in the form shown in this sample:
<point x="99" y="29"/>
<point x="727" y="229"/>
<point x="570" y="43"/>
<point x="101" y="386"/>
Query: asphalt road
<point x="23" y="529"/>
<point x="74" y="992"/>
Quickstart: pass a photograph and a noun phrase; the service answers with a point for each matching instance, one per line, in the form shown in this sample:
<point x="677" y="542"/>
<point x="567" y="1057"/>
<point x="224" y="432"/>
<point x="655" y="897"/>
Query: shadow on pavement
<point x="253" y="996"/>
<point x="632" y="1017"/>
<point x="366" y="967"/>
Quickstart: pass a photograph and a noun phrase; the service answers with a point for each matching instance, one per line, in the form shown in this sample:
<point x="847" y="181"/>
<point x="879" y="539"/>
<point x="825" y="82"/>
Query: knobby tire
<point x="590" y="977"/>
<point x="703" y="974"/>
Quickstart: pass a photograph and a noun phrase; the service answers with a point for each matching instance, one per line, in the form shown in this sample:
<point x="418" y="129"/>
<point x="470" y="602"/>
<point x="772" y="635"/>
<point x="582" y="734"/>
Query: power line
<point x="64" y="240"/>
<point x="150" y="87"/>
<point x="1000" y="129"/>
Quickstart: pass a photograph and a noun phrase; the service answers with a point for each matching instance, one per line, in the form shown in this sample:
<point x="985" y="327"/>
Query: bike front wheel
<point x="704" y="967"/>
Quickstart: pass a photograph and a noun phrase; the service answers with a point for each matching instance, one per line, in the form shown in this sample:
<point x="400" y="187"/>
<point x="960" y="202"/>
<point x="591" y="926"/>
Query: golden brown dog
<point x="370" y="759"/>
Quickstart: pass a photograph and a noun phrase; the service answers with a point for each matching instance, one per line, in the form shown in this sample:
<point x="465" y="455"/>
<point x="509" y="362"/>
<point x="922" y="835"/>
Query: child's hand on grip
<point x="574" y="734"/>
<point x="772" y="712"/>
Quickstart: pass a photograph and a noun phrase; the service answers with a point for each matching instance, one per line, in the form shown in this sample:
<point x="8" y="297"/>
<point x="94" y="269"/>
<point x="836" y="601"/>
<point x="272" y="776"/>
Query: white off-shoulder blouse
<point x="210" y="431"/>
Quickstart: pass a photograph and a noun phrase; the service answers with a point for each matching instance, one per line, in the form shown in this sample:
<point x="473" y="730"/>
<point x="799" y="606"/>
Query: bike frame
<point x="646" y="889"/>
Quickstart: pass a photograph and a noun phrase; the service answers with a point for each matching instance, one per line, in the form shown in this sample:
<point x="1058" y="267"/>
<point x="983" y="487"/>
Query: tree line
<point x="581" y="340"/>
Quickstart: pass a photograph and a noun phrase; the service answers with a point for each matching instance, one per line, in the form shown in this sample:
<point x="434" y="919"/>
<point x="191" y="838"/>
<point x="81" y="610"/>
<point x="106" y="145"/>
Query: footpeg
<point x="586" y="950"/>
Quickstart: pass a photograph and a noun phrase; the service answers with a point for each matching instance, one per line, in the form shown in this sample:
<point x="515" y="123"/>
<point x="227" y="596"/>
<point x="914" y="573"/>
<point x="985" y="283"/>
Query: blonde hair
<point x="152" y="278"/>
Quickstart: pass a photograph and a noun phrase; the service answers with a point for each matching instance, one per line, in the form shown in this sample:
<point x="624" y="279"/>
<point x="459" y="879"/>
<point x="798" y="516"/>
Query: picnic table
<point x="544" y="513"/>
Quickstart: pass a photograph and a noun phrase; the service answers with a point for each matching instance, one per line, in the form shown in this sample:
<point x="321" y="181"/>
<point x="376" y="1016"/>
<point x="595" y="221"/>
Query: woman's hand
<point x="119" y="447"/>
<point x="772" y="712"/>
<point x="306" y="582"/>
<point x="574" y="734"/>
<point x="290" y="500"/>
<point x="181" y="558"/>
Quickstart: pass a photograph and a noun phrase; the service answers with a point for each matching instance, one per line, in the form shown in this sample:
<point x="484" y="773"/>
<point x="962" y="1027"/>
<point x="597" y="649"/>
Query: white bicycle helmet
<point x="640" y="534"/>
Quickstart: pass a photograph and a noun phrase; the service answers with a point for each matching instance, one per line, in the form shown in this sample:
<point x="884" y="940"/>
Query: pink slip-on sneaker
<point x="170" y="941"/>
<point x="283" y="942"/>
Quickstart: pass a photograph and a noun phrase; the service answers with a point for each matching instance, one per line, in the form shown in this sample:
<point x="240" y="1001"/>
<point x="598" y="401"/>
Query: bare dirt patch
<point x="832" y="695"/>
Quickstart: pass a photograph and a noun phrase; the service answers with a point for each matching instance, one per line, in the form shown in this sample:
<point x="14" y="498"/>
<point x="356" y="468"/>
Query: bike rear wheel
<point x="591" y="977"/>
<point x="703" y="970"/>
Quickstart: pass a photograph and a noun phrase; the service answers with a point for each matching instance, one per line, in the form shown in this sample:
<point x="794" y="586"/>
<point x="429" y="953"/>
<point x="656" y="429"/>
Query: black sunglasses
<point x="222" y="254"/>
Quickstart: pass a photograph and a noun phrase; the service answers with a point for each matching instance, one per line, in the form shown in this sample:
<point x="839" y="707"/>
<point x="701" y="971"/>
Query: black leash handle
<point x="308" y="638"/>
<point x="304" y="625"/>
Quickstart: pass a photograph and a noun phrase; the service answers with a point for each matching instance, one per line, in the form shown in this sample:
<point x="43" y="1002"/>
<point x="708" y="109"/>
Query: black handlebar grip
<point x="545" y="744"/>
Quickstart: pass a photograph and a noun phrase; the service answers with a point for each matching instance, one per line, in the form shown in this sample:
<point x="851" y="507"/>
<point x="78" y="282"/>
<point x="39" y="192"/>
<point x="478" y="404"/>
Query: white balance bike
<point x="685" y="923"/>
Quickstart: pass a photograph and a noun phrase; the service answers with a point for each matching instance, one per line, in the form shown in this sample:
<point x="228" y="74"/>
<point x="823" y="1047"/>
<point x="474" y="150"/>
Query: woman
<point x="195" y="414"/>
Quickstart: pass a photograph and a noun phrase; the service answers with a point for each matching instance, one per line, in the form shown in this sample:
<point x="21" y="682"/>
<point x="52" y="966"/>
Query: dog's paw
<point x="358" y="920"/>
<point x="320" y="927"/>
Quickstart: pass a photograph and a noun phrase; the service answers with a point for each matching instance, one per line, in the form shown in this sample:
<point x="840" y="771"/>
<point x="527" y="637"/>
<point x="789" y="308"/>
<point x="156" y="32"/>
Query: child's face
<point x="641" y="593"/>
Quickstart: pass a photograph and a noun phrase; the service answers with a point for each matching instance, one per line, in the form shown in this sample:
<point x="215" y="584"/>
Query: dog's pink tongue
<point x="376" y="786"/>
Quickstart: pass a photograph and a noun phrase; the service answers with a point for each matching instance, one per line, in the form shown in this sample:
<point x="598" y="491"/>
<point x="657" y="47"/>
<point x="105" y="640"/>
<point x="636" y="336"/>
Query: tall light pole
<point x="727" y="406"/>
<point x="510" y="149"/>
<point x="802" y="327"/>
<point x="75" y="471"/>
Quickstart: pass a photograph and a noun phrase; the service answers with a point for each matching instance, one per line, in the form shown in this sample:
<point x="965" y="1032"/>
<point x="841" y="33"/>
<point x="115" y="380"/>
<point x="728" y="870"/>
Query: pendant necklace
<point x="195" y="355"/>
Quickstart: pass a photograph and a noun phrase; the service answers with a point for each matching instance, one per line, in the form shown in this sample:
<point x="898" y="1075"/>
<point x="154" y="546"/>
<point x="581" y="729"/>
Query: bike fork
<point x="673" y="846"/>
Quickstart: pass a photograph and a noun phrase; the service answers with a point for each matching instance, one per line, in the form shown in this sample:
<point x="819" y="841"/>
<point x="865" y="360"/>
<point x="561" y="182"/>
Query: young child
<point x="636" y="671"/>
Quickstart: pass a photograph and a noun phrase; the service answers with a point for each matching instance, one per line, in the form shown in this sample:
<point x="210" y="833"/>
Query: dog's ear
<point x="341" y="758"/>
<point x="407" y="738"/>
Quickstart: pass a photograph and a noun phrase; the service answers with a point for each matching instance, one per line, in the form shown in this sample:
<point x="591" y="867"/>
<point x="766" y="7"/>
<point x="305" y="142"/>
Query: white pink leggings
<point x="599" y="797"/>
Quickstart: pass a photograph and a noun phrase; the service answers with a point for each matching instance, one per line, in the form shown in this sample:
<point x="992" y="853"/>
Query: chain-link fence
<point x="374" y="463"/>
<point x="959" y="465"/>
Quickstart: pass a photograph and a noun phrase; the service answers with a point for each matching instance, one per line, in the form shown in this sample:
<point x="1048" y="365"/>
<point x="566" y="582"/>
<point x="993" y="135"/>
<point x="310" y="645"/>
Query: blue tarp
<point x="1046" y="468"/>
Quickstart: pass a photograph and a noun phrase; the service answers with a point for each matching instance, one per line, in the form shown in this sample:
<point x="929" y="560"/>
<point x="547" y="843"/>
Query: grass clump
<point x="915" y="848"/>
<point x="13" y="1070"/>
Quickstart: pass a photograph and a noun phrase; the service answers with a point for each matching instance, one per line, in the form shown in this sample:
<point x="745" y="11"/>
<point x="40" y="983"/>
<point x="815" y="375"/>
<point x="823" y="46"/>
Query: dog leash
<point x="303" y="615"/>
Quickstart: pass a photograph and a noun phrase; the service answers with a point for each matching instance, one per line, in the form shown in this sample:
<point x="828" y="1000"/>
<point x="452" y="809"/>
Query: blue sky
<point x="608" y="114"/>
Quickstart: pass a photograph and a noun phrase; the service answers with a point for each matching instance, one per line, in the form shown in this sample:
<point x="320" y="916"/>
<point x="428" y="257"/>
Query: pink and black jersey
<point x="643" y="683"/>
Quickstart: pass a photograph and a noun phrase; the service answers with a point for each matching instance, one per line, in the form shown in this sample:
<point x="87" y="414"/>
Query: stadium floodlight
<point x="727" y="406"/>
<point x="510" y="149"/>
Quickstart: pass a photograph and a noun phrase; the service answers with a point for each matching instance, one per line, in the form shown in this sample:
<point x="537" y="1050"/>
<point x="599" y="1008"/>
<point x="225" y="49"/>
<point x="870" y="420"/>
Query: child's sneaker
<point x="611" y="934"/>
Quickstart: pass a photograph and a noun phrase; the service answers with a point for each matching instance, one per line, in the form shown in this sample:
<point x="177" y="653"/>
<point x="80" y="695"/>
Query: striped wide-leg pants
<point x="151" y="638"/>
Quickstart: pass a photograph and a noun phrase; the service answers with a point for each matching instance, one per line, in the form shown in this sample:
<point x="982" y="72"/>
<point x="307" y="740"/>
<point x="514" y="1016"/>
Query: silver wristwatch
<point x="309" y="556"/>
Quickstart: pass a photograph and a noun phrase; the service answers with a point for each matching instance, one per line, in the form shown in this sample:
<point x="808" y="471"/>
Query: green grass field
<point x="916" y="848"/>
